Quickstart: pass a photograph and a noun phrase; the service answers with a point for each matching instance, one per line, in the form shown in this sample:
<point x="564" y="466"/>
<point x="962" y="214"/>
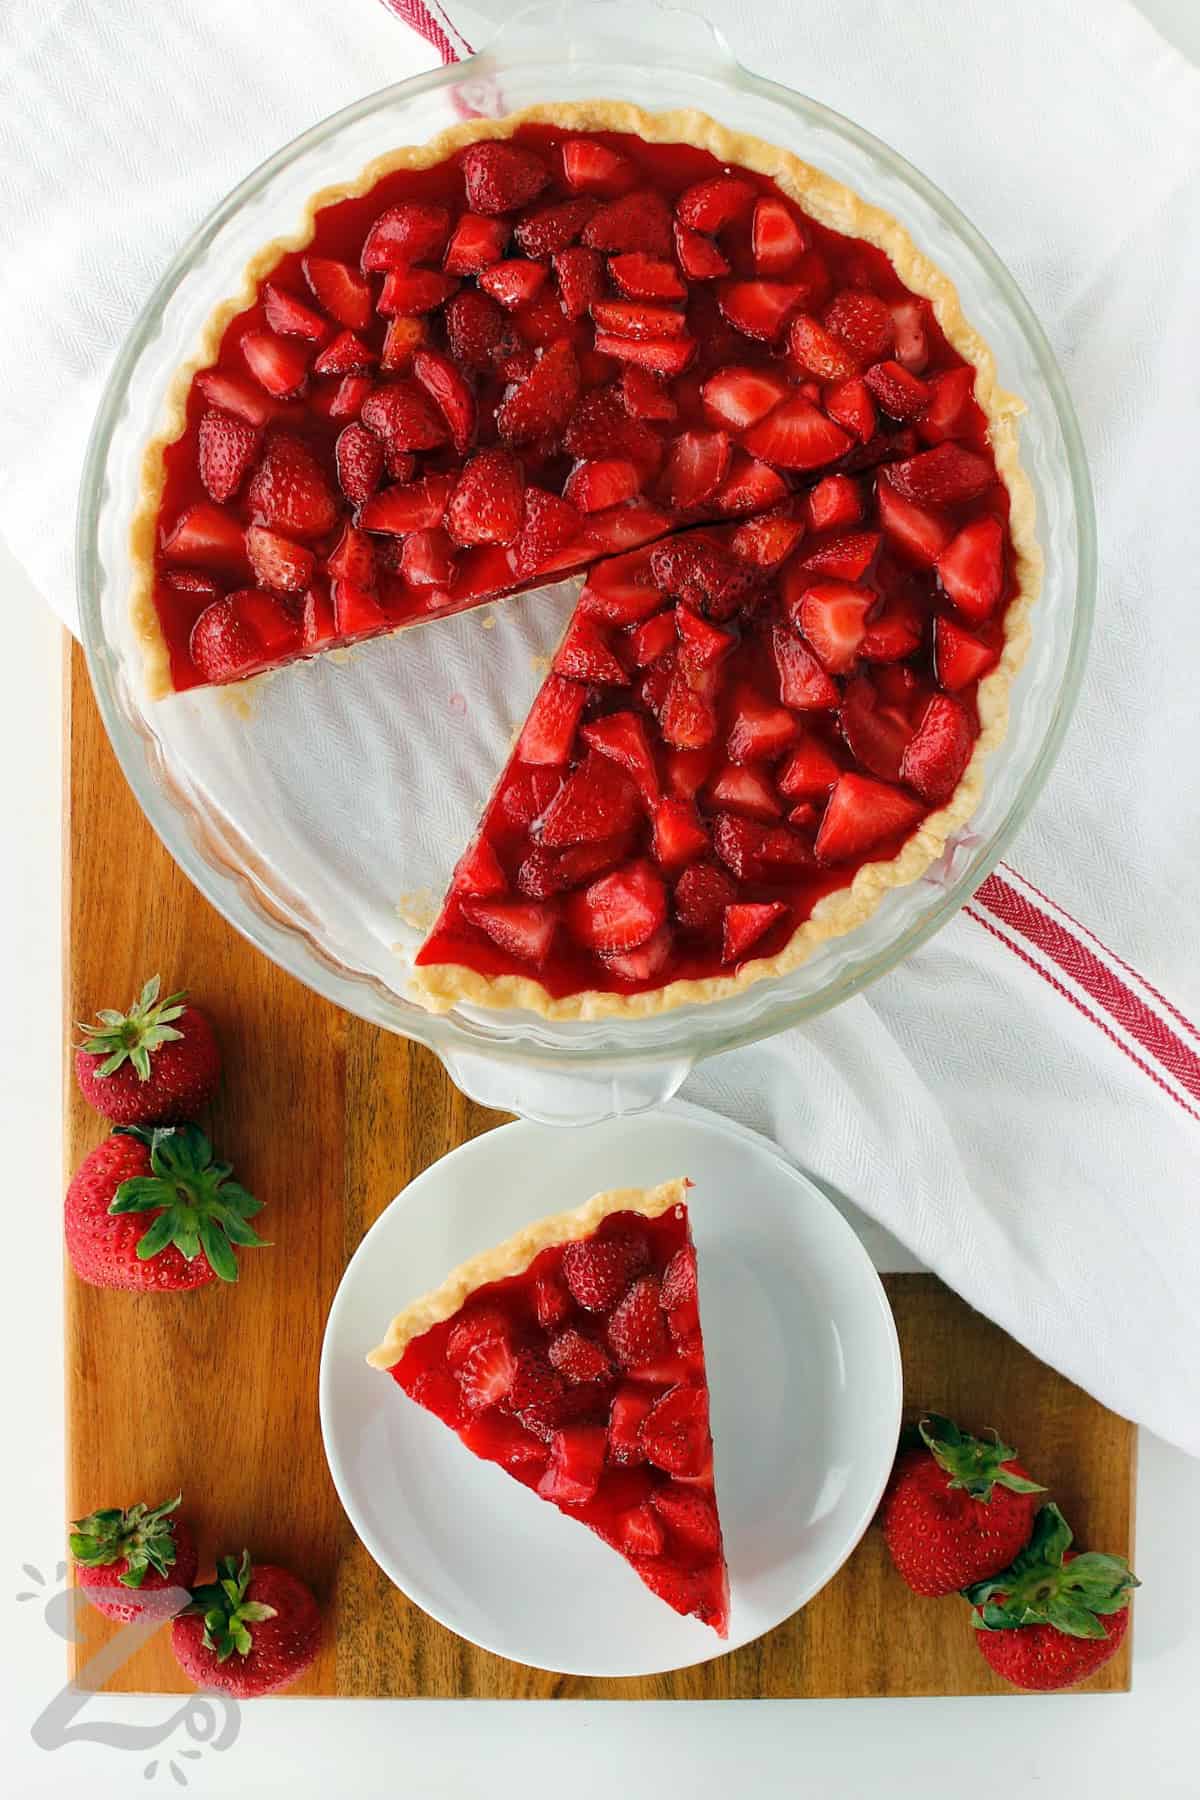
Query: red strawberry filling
<point x="584" y="1378"/>
<point x="555" y="349"/>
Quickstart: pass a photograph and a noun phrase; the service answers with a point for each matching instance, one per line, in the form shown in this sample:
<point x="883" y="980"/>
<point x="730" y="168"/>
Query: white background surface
<point x="1114" y="1746"/>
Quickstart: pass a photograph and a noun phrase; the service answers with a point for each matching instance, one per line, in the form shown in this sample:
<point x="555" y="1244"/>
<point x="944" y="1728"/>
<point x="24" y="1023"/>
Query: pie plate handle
<point x="558" y="1096"/>
<point x="651" y="30"/>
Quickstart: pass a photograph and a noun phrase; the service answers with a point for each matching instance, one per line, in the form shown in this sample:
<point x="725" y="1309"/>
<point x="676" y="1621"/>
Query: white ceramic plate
<point x="803" y="1365"/>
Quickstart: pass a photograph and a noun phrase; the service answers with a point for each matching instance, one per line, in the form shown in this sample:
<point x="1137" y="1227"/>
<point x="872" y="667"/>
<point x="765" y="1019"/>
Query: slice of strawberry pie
<point x="571" y="1356"/>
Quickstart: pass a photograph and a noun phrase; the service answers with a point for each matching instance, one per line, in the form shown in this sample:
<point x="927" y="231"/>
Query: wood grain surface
<point x="215" y="1393"/>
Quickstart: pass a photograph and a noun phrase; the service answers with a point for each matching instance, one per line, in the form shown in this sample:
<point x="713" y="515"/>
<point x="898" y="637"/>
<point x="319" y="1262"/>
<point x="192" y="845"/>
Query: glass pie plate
<point x="322" y="807"/>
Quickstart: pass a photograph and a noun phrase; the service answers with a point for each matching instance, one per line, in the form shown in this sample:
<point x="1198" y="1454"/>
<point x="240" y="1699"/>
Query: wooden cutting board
<point x="215" y="1393"/>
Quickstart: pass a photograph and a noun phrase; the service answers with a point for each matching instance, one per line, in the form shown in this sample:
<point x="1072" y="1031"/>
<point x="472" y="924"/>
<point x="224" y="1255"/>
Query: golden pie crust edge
<point x="441" y="986"/>
<point x="514" y="1256"/>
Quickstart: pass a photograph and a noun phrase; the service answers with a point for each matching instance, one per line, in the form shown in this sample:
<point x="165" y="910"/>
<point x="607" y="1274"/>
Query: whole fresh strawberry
<point x="136" y="1563"/>
<point x="157" y="1063"/>
<point x="251" y="1631"/>
<point x="1057" y="1615"/>
<point x="196" y="1214"/>
<point x="956" y="1510"/>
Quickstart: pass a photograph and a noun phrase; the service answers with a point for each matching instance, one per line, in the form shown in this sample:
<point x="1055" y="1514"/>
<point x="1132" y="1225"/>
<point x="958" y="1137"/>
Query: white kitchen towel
<point x="1017" y="1103"/>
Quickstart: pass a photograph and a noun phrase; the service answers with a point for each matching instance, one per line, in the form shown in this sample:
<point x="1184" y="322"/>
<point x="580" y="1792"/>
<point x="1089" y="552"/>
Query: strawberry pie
<point x="572" y="1358"/>
<point x="735" y="398"/>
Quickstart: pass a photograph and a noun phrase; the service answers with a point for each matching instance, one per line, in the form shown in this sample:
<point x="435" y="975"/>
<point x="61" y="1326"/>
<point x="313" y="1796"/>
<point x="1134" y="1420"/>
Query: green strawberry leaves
<point x="1042" y="1586"/>
<point x="974" y="1465"/>
<point x="144" y="1536"/>
<point x="226" y="1612"/>
<point x="135" y="1035"/>
<point x="203" y="1212"/>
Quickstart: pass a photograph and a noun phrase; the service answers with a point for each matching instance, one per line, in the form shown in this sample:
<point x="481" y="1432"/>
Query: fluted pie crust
<point x="514" y="1256"/>
<point x="440" y="986"/>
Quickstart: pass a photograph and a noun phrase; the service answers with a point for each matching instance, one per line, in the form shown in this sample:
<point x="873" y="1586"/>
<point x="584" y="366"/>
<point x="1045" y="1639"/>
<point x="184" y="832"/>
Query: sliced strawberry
<point x="894" y="633"/>
<point x="688" y="770"/>
<point x="759" y="309"/>
<point x="777" y="238"/>
<point x="642" y="277"/>
<point x="951" y="410"/>
<point x="690" y="1515"/>
<point x="538" y="1395"/>
<point x="912" y="338"/>
<point x="551" y="1301"/>
<point x="584" y="655"/>
<point x="674" y="1433"/>
<point x="606" y="481"/>
<point x="622" y="737"/>
<point x="359" y="457"/>
<point x="876" y="735"/>
<point x="620" y="596"/>
<point x="620" y="910"/>
<point x="415" y="291"/>
<point x="863" y="321"/>
<point x="486" y="1374"/>
<point x="513" y="283"/>
<point x="797" y="435"/>
<point x="318" y="625"/>
<point x="475" y="244"/>
<point x="921" y="534"/>
<point x="234" y="394"/>
<point x="664" y="356"/>
<point x="281" y="365"/>
<point x="488" y="501"/>
<point x="403" y="338"/>
<point x="703" y="643"/>
<point x="412" y="232"/>
<point x="522" y="928"/>
<point x="818" y="352"/>
<point x="644" y="395"/>
<point x="597" y="800"/>
<point x="847" y="557"/>
<point x="442" y="380"/>
<point x="550" y="525"/>
<point x="223" y="645"/>
<point x="525" y="794"/>
<point x="803" y="683"/>
<point x="356" y="611"/>
<point x="579" y="1359"/>
<point x="698" y="256"/>
<point x="553" y="228"/>
<point x="861" y="813"/>
<point x="959" y="657"/>
<point x="749" y="486"/>
<point x="679" y="837"/>
<point x="711" y="205"/>
<point x="206" y="536"/>
<point x="501" y="176"/>
<point x="809" y="772"/>
<point x="277" y="562"/>
<point x="898" y="392"/>
<point x="939" y="751"/>
<point x="341" y="290"/>
<point x="639" y="319"/>
<point x="637" y="221"/>
<point x="288" y="491"/>
<point x="687" y="720"/>
<point x="576" y="1464"/>
<point x="746" y="791"/>
<point x="653" y="638"/>
<point x="834" y="501"/>
<point x="549" y="729"/>
<point x="641" y="1533"/>
<point x="427" y="559"/>
<point x="544" y="873"/>
<point x="291" y="317"/>
<point x="475" y="329"/>
<point x="745" y="923"/>
<point x="405" y="418"/>
<point x="738" y="397"/>
<point x="637" y="1329"/>
<point x="761" y="729"/>
<point x="346" y="355"/>
<point x="850" y="404"/>
<point x="832" y="616"/>
<point x="767" y="540"/>
<point x="703" y="574"/>
<point x="701" y="895"/>
<point x="580" y="276"/>
<point x="593" y="168"/>
<point x="226" y="449"/>
<point x="598" y="1270"/>
<point x="600" y="426"/>
<point x="540" y="407"/>
<point x="409" y="506"/>
<point x="971" y="568"/>
<point x="695" y="467"/>
<point x="478" y="872"/>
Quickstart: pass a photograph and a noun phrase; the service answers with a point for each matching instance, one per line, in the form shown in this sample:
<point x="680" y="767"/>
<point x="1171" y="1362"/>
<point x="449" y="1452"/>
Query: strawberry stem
<point x="226" y="1612"/>
<point x="200" y="1210"/>
<point x="144" y="1536"/>
<point x="1043" y="1586"/>
<point x="973" y="1464"/>
<point x="135" y="1035"/>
